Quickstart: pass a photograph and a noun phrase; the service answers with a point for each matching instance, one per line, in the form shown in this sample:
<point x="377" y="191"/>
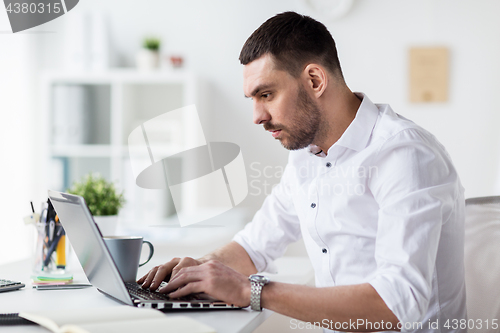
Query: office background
<point x="373" y="41"/>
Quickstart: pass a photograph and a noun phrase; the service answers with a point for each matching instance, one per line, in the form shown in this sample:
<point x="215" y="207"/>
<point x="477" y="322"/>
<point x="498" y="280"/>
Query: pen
<point x="52" y="247"/>
<point x="61" y="286"/>
<point x="33" y="218"/>
<point x="52" y="226"/>
<point x="43" y="220"/>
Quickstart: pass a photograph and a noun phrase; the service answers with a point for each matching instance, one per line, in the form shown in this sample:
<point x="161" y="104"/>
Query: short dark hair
<point x="293" y="40"/>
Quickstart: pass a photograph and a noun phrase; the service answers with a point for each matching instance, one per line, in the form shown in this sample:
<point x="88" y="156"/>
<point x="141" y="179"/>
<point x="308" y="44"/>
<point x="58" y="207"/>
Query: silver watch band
<point x="255" y="292"/>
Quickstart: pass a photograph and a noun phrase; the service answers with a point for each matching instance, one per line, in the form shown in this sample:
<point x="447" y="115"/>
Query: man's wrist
<point x="246" y="292"/>
<point x="265" y="295"/>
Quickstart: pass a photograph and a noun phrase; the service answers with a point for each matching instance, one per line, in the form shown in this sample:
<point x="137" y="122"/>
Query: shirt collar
<point x="358" y="133"/>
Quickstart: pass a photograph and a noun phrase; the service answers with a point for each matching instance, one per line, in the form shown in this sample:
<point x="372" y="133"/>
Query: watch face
<point x="259" y="279"/>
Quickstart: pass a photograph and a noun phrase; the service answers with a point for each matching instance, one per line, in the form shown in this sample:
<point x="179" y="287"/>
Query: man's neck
<point x="339" y="110"/>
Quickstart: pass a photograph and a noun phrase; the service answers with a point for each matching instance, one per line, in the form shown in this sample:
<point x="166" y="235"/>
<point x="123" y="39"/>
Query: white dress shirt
<point x="385" y="207"/>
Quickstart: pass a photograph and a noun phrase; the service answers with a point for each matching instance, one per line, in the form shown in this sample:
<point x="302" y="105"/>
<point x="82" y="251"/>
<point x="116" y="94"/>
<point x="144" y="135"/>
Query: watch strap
<point x="255" y="292"/>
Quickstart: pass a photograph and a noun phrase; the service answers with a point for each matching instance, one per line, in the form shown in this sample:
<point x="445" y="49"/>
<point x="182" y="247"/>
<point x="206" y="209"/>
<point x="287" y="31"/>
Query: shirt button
<point x="324" y="250"/>
<point x="313" y="205"/>
<point x="328" y="164"/>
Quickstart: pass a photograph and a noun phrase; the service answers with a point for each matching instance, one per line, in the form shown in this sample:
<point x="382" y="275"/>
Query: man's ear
<point x="316" y="79"/>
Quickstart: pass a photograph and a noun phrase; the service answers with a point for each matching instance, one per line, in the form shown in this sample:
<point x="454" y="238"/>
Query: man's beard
<point x="304" y="123"/>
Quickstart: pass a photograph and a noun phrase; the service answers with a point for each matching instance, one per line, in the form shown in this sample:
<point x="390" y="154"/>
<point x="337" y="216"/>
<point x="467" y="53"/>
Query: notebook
<point x="123" y="319"/>
<point x="100" y="268"/>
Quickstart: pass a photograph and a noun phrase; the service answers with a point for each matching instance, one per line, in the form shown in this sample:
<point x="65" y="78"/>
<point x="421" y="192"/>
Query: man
<point x="375" y="197"/>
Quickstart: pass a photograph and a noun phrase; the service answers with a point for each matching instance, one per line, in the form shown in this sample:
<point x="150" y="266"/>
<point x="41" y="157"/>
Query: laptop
<point x="100" y="269"/>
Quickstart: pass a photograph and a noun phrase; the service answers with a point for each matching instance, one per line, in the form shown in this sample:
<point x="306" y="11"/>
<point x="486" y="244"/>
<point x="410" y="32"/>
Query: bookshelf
<point x="87" y="118"/>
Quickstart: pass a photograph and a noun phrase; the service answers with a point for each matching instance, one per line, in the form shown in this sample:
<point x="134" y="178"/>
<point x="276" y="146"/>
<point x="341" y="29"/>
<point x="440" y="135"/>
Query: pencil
<point x="61" y="252"/>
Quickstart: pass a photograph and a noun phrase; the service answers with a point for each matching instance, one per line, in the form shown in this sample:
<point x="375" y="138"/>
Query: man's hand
<point x="166" y="272"/>
<point x="213" y="278"/>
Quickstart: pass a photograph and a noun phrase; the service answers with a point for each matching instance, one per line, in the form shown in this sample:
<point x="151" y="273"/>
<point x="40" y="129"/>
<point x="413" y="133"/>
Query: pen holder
<point x="51" y="250"/>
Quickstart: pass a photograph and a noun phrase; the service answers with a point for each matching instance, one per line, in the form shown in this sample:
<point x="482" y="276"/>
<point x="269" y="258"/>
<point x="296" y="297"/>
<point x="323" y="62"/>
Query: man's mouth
<point x="275" y="133"/>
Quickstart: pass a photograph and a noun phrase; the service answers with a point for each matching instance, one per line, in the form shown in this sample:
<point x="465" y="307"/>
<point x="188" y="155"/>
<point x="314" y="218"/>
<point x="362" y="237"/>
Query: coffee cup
<point x="126" y="253"/>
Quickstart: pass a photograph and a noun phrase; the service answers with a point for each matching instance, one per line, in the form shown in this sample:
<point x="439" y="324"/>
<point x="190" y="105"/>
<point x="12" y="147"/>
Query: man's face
<point x="281" y="104"/>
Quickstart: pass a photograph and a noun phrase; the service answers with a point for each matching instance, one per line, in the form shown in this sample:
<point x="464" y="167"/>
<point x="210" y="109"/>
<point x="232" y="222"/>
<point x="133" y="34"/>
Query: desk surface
<point x="291" y="270"/>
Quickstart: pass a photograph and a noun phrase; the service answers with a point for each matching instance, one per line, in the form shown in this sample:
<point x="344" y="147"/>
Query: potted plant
<point x="148" y="57"/>
<point x="103" y="200"/>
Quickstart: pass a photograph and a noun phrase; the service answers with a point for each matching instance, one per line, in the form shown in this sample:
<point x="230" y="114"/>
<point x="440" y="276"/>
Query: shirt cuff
<point x="260" y="262"/>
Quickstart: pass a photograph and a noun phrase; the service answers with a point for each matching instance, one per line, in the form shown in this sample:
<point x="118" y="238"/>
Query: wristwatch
<point x="257" y="282"/>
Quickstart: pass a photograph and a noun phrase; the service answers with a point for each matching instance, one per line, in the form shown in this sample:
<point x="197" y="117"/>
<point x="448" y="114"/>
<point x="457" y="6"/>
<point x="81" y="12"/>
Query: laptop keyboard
<point x="136" y="290"/>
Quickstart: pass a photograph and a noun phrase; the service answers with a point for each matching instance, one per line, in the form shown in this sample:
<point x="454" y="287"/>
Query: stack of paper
<point x="51" y="279"/>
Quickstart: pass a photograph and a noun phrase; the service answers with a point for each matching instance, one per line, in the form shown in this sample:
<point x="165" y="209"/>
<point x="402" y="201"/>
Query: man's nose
<point x="260" y="115"/>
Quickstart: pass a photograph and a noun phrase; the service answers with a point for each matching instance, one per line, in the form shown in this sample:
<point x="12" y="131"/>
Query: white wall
<point x="17" y="141"/>
<point x="373" y="42"/>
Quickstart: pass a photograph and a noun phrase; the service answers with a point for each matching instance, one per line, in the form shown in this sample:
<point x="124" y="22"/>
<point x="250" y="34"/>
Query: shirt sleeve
<point x="273" y="227"/>
<point x="416" y="187"/>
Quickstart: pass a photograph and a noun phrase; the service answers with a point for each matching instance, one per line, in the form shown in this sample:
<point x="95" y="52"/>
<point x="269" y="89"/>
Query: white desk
<point x="292" y="270"/>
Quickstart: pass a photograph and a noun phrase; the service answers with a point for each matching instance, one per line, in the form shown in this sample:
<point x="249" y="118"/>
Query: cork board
<point x="429" y="72"/>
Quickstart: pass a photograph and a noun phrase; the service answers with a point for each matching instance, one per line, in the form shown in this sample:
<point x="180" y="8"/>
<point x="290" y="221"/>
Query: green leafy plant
<point x="151" y="43"/>
<point x="99" y="194"/>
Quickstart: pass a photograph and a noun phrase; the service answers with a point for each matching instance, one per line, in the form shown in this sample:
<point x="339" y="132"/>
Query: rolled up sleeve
<point x="416" y="188"/>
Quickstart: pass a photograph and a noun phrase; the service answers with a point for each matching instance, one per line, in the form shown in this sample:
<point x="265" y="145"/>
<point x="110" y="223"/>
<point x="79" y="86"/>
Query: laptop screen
<point x="88" y="244"/>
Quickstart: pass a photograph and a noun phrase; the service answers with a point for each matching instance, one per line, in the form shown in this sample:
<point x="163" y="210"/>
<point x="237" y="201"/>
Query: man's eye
<point x="266" y="95"/>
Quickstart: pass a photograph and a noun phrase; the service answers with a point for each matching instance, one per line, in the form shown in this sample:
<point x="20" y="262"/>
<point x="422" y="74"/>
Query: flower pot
<point x="107" y="224"/>
<point x="147" y="60"/>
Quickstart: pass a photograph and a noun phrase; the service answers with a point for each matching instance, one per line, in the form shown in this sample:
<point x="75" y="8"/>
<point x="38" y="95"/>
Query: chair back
<point x="482" y="263"/>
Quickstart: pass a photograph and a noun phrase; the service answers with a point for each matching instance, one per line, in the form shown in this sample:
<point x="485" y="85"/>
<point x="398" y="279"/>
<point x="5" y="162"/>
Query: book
<point x="119" y="319"/>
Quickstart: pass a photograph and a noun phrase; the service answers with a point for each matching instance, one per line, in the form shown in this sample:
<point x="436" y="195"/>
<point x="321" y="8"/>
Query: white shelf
<point x="106" y="151"/>
<point x="82" y="151"/>
<point x="119" y="75"/>
<point x="118" y="101"/>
